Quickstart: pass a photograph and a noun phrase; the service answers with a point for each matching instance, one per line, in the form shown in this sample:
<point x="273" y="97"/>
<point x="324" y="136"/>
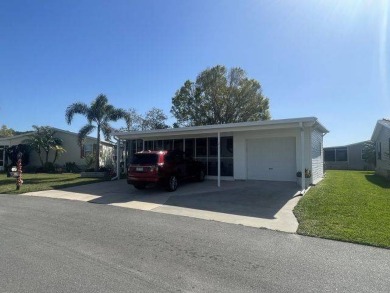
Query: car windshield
<point x="145" y="159"/>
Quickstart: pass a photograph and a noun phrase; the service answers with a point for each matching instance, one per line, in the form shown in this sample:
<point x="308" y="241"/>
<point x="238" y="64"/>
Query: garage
<point x="271" y="159"/>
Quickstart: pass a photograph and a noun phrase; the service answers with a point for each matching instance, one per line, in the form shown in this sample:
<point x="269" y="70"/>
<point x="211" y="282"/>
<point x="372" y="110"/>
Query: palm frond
<point x="106" y="129"/>
<point x="84" y="131"/>
<point x="117" y="114"/>
<point x="97" y="111"/>
<point x="75" y="108"/>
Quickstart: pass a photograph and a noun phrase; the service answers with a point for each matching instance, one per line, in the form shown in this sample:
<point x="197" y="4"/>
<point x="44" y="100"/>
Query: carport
<point x="273" y="150"/>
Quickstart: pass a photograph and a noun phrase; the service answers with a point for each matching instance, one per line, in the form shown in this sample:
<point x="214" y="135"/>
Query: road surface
<point x="51" y="245"/>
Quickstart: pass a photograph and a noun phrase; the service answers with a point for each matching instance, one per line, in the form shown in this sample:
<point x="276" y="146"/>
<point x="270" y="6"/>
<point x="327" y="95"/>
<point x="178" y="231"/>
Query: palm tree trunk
<point x="40" y="158"/>
<point x="55" y="156"/>
<point x="97" y="149"/>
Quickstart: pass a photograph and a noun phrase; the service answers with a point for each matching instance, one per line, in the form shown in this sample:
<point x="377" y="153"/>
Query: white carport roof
<point x="221" y="128"/>
<point x="297" y="123"/>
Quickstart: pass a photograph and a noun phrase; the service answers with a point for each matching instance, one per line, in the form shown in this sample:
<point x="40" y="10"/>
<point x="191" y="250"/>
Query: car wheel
<point x="139" y="185"/>
<point x="201" y="176"/>
<point x="172" y="183"/>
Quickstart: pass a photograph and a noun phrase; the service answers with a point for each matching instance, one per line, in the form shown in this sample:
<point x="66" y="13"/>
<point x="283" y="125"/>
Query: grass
<point x="351" y="206"/>
<point x="38" y="182"/>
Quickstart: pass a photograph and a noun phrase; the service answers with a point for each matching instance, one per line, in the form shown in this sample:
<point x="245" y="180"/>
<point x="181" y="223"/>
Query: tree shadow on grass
<point x="378" y="180"/>
<point x="61" y="183"/>
<point x="46" y="180"/>
<point x="38" y="184"/>
<point x="66" y="185"/>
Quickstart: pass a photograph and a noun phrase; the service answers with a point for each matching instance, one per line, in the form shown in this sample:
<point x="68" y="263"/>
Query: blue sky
<point x="323" y="58"/>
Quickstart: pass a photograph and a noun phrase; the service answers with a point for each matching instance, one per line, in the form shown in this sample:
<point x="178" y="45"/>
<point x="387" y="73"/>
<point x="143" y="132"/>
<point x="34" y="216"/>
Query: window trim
<point x="379" y="150"/>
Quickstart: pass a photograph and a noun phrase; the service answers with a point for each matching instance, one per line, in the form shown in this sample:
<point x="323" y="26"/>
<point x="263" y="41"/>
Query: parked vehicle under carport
<point x="163" y="167"/>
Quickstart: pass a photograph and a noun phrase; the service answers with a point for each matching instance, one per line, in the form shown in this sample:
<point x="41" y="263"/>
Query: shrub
<point x="48" y="167"/>
<point x="71" y="167"/>
<point x="29" y="169"/>
<point x="90" y="160"/>
<point x="307" y="173"/>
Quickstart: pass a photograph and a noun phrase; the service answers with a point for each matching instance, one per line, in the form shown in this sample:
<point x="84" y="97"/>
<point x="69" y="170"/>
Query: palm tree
<point x="43" y="140"/>
<point x="99" y="113"/>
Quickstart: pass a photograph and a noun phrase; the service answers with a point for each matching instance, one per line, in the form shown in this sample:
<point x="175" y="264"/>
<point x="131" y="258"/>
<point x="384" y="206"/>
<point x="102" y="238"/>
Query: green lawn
<point x="37" y="182"/>
<point x="351" y="206"/>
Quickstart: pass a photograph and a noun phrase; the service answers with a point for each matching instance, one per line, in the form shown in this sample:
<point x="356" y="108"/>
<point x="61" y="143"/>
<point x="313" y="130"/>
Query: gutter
<point x="303" y="179"/>
<point x="117" y="159"/>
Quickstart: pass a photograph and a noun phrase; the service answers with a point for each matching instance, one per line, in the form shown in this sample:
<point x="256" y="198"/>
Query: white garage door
<point x="271" y="159"/>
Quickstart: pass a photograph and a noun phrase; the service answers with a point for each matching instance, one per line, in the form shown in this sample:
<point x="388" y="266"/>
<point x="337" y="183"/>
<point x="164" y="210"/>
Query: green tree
<point x="99" y="115"/>
<point x="42" y="140"/>
<point x="134" y="121"/>
<point x="6" y="132"/>
<point x="13" y="151"/>
<point x="369" y="153"/>
<point x="220" y="96"/>
<point x="155" y="118"/>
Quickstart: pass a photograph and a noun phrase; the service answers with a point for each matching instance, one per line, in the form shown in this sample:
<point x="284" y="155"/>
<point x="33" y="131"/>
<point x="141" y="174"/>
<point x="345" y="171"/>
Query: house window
<point x="201" y="147"/>
<point x="330" y="155"/>
<point x="190" y="147"/>
<point x="379" y="150"/>
<point x="363" y="155"/>
<point x="341" y="155"/>
<point x="87" y="150"/>
<point x="178" y="144"/>
<point x="158" y="145"/>
<point x="149" y="145"/>
<point x="336" y="155"/>
<point x="389" y="148"/>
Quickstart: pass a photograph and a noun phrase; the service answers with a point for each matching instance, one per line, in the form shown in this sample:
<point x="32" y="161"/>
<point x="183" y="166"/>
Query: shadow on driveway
<point x="267" y="204"/>
<point x="260" y="199"/>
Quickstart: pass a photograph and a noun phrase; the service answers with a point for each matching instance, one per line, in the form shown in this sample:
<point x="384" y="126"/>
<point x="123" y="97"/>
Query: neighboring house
<point x="381" y="138"/>
<point x="261" y="150"/>
<point x="348" y="157"/>
<point x="70" y="143"/>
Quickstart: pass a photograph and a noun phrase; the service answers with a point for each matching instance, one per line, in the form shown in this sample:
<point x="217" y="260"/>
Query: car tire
<point x="139" y="186"/>
<point x="201" y="176"/>
<point x="172" y="183"/>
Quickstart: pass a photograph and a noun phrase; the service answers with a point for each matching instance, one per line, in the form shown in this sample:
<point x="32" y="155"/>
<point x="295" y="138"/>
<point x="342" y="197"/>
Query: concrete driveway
<point x="261" y="204"/>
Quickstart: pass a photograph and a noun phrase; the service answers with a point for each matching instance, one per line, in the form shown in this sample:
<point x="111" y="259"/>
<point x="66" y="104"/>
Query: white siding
<point x="317" y="155"/>
<point x="383" y="164"/>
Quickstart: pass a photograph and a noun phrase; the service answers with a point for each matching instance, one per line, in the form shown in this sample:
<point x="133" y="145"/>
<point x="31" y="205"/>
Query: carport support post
<point x="118" y="145"/>
<point x="219" y="159"/>
<point x="302" y="157"/>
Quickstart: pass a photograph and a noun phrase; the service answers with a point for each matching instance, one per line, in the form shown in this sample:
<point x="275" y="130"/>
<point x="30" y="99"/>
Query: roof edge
<point x="227" y="126"/>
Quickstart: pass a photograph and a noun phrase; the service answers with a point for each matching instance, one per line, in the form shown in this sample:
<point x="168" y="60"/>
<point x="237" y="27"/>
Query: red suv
<point x="163" y="167"/>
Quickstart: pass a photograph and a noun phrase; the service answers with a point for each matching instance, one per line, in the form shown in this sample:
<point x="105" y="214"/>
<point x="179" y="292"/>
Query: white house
<point x="70" y="143"/>
<point x="262" y="150"/>
<point x="381" y="138"/>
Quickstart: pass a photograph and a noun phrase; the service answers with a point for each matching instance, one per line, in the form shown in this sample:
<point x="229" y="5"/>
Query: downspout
<point x="117" y="159"/>
<point x="219" y="159"/>
<point x="303" y="185"/>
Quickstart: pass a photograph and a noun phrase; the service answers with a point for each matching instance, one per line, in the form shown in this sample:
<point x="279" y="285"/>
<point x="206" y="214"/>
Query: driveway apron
<point x="260" y="204"/>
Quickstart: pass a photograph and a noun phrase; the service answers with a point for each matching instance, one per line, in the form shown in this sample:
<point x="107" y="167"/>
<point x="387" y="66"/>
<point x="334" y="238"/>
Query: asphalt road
<point x="51" y="245"/>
